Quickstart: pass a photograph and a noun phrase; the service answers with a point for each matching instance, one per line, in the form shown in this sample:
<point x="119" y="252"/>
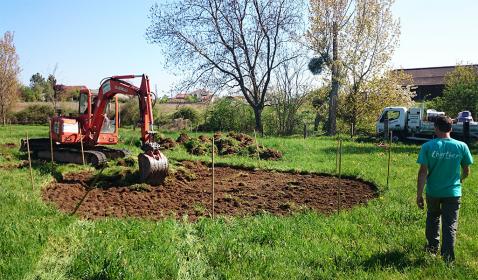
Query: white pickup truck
<point x="415" y="124"/>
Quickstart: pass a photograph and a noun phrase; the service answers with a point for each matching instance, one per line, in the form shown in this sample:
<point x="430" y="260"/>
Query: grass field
<point x="383" y="240"/>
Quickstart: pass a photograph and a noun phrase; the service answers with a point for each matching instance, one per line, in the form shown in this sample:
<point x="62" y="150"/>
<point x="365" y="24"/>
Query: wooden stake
<point x="30" y="162"/>
<point x="82" y="151"/>
<point x="340" y="176"/>
<point x="337" y="157"/>
<point x="257" y="146"/>
<point x="389" y="157"/>
<point x="213" y="190"/>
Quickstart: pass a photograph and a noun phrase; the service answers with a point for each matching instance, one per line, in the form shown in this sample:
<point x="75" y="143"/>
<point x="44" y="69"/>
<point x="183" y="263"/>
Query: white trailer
<point x="415" y="124"/>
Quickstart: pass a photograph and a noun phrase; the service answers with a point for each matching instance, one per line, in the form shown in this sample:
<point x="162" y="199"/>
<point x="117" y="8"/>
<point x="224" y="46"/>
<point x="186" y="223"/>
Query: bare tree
<point x="9" y="70"/>
<point x="290" y="93"/>
<point x="233" y="44"/>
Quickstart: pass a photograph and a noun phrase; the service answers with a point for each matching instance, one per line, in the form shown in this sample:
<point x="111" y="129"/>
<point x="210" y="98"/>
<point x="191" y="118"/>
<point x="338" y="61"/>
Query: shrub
<point x="129" y="113"/>
<point x="187" y="113"/>
<point x="35" y="114"/>
<point x="229" y="114"/>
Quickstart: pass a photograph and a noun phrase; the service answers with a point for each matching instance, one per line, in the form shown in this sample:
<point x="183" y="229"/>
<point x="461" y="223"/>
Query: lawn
<point x="381" y="240"/>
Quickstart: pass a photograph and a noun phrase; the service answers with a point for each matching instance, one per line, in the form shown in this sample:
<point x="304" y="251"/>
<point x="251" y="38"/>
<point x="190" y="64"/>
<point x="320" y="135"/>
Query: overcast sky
<point x="88" y="40"/>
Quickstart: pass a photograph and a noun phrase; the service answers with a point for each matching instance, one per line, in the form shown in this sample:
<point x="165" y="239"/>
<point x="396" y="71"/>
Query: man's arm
<point x="465" y="172"/>
<point x="422" y="178"/>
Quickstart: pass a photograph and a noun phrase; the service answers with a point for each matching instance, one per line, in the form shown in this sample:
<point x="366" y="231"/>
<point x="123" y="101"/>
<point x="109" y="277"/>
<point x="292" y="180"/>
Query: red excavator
<point x="97" y="124"/>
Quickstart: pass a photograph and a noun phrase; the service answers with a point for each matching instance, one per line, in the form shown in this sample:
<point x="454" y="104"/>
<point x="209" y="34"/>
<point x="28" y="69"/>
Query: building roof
<point x="431" y="75"/>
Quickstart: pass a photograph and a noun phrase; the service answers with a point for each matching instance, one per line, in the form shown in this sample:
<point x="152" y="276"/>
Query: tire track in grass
<point x="59" y="252"/>
<point x="193" y="263"/>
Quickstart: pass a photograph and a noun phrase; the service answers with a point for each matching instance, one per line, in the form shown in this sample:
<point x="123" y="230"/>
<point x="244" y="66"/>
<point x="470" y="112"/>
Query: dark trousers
<point x="447" y="208"/>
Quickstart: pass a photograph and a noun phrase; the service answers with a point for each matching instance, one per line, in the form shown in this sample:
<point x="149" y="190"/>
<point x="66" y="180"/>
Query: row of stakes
<point x="338" y="166"/>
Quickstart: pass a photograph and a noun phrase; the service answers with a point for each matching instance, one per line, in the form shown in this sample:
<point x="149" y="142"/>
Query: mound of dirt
<point x="11" y="166"/>
<point x="270" y="154"/>
<point x="239" y="192"/>
<point x="183" y="138"/>
<point x="230" y="144"/>
<point x="9" y="145"/>
<point x="167" y="143"/>
<point x="244" y="139"/>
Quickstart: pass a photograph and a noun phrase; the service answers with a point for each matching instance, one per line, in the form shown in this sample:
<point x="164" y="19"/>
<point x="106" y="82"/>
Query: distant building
<point x="201" y="95"/>
<point x="429" y="82"/>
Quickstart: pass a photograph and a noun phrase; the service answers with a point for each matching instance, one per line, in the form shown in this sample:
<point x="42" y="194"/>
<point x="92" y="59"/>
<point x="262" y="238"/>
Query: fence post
<point x="340" y="177"/>
<point x="389" y="156"/>
<point x="30" y="162"/>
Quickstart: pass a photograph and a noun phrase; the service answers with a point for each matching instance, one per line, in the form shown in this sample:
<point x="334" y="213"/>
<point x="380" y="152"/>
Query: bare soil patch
<point x="239" y="192"/>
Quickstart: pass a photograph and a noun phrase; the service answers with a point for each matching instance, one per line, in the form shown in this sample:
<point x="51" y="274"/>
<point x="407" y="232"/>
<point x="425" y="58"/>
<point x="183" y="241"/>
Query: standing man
<point x="441" y="161"/>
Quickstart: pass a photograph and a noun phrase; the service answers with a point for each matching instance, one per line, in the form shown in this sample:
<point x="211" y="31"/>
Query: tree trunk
<point x="316" y="121"/>
<point x="258" y="118"/>
<point x="334" y="92"/>
<point x="4" y="119"/>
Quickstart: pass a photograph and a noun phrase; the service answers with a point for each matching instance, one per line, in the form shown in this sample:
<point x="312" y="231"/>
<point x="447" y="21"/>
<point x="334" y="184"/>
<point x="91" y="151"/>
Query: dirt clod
<point x="183" y="137"/>
<point x="166" y="143"/>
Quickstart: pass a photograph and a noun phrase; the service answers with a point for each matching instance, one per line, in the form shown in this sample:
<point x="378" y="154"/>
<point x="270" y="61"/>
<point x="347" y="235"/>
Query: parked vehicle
<point x="415" y="124"/>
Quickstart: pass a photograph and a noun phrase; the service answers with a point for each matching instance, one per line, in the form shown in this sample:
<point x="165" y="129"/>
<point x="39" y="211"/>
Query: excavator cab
<point x="109" y="129"/>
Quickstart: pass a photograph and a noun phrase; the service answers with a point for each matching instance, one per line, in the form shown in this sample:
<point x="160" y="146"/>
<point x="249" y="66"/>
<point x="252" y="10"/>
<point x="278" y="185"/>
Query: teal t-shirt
<point x="444" y="158"/>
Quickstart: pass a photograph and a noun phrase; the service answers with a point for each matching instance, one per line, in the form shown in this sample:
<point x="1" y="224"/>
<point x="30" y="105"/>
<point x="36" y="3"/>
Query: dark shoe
<point x="448" y="259"/>
<point x="431" y="250"/>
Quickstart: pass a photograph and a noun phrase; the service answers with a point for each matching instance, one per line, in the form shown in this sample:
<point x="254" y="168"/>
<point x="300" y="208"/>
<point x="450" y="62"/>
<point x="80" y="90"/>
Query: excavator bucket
<point x="153" y="169"/>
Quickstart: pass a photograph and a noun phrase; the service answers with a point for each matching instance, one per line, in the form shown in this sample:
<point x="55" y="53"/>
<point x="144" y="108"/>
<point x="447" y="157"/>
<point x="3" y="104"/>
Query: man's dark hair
<point x="443" y="123"/>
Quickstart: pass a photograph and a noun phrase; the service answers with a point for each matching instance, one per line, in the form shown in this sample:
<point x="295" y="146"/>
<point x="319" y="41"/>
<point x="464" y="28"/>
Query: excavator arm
<point x="153" y="164"/>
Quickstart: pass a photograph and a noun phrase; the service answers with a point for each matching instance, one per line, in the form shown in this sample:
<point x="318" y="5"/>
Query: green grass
<point x="382" y="240"/>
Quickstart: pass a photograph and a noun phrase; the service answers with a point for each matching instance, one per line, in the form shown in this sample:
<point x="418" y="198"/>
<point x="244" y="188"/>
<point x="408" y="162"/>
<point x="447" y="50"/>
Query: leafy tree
<point x="38" y="85"/>
<point x="37" y="80"/>
<point x="461" y="92"/>
<point x="28" y="95"/>
<point x="363" y="108"/>
<point x="9" y="70"/>
<point x="228" y="44"/>
<point x="51" y="94"/>
<point x="372" y="39"/>
<point x="355" y="41"/>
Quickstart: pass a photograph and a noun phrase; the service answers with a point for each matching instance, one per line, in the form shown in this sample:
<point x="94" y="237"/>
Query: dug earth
<point x="188" y="193"/>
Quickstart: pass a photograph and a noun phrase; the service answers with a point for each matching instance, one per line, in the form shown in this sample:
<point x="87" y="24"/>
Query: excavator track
<point x="64" y="155"/>
<point x="96" y="156"/>
<point x="151" y="170"/>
